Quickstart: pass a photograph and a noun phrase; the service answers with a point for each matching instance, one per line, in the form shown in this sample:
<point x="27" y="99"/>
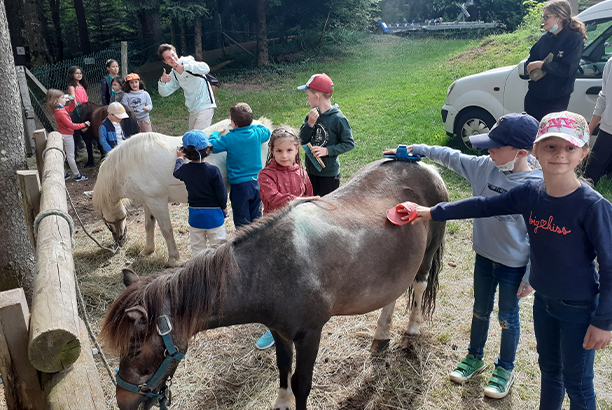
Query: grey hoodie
<point x="502" y="239"/>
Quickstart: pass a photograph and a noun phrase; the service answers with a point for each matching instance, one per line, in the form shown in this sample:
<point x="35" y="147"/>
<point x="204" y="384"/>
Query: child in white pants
<point x="206" y="191"/>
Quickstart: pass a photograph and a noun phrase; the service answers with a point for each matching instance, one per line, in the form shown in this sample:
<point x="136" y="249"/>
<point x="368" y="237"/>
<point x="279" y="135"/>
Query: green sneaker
<point x="499" y="383"/>
<point x="468" y="367"/>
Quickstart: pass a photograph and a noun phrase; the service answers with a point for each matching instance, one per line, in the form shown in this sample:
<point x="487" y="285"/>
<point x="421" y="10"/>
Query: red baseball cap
<point x="319" y="82"/>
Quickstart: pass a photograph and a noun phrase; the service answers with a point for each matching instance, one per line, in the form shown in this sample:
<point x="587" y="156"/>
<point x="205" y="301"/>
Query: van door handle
<point x="593" y="91"/>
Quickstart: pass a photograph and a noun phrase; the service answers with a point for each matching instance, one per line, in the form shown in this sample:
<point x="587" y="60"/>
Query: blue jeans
<point x="560" y="327"/>
<point x="487" y="276"/>
<point x="246" y="202"/>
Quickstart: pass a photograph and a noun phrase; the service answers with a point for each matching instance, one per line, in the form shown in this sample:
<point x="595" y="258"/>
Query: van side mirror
<point x="522" y="70"/>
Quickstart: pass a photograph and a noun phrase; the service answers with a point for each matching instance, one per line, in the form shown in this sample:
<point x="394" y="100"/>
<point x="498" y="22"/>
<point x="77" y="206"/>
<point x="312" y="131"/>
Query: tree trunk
<point x="39" y="54"/>
<point x="151" y="28"/>
<point x="17" y="256"/>
<point x="173" y="27"/>
<point x="574" y="6"/>
<point x="13" y="8"/>
<point x="198" y="38"/>
<point x="57" y="24"/>
<point x="79" y="9"/>
<point x="183" y="38"/>
<point x="262" y="34"/>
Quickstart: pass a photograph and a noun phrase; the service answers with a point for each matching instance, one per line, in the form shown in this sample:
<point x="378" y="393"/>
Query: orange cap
<point x="132" y="76"/>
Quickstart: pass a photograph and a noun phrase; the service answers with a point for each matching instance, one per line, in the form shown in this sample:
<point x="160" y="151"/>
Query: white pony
<point x="141" y="169"/>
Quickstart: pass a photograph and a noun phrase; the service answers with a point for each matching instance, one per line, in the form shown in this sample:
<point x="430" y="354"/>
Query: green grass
<point x="390" y="88"/>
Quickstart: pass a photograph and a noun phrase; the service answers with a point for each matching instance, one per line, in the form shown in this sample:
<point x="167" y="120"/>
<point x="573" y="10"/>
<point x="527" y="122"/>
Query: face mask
<point x="508" y="166"/>
<point x="60" y="105"/>
<point x="555" y="28"/>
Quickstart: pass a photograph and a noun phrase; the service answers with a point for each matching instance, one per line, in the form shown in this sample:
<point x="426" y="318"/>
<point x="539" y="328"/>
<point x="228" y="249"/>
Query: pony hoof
<point x="412" y="331"/>
<point x="172" y="263"/>
<point x="379" y="346"/>
<point x="145" y="252"/>
<point x="407" y="339"/>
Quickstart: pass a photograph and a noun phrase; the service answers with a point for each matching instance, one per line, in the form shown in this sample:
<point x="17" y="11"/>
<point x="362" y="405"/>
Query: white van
<point x="473" y="103"/>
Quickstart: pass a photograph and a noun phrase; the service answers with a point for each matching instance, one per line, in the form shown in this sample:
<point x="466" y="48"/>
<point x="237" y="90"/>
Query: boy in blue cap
<point x="501" y="243"/>
<point x="206" y="191"/>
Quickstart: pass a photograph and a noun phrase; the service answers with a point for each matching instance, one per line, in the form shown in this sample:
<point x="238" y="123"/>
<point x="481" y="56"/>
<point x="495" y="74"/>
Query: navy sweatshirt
<point x="566" y="234"/>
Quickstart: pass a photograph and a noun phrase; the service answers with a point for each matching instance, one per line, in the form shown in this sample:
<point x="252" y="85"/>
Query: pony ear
<point x="129" y="277"/>
<point x="137" y="313"/>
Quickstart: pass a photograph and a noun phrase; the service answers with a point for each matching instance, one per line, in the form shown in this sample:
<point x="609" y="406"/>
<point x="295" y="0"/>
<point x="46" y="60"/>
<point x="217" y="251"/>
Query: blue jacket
<point x="108" y="137"/>
<point x="243" y="146"/>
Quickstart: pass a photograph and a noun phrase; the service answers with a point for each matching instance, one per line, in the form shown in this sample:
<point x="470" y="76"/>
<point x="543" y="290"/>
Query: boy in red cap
<point x="329" y="132"/>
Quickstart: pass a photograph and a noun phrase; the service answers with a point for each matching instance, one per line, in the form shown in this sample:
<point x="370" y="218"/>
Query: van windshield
<point x="597" y="50"/>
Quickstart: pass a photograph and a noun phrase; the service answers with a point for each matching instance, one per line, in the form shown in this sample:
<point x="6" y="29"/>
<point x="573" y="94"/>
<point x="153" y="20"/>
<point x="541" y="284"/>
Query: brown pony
<point x="96" y="114"/>
<point x="291" y="271"/>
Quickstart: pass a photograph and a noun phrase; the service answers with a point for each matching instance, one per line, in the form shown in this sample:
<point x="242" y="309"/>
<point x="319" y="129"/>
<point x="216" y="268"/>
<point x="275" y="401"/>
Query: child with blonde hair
<point x="56" y="101"/>
<point x="282" y="180"/>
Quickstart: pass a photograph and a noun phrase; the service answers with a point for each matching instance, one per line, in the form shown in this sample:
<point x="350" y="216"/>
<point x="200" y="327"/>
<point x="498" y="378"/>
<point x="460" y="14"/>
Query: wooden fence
<point x="46" y="360"/>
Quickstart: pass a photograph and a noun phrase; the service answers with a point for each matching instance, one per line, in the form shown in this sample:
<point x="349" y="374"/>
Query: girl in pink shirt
<point x="56" y="101"/>
<point x="282" y="180"/>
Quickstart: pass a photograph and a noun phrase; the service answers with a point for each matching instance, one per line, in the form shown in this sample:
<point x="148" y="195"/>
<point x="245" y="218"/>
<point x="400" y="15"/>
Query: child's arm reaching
<point x="423" y="214"/>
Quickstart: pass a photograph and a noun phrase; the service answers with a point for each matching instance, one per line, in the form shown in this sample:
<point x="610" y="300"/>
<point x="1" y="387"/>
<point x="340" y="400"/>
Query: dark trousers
<point x="538" y="108"/>
<point x="324" y="185"/>
<point x="599" y="161"/>
<point x="246" y="202"/>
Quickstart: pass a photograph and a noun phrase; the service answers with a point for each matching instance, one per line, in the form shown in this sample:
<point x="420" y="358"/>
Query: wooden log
<point x="40" y="141"/>
<point x="77" y="387"/>
<point x="28" y="111"/>
<point x="21" y="385"/>
<point x="54" y="325"/>
<point x="29" y="186"/>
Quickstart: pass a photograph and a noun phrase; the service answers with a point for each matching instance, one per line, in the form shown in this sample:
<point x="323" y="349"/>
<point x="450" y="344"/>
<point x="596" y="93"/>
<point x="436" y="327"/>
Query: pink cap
<point x="567" y="125"/>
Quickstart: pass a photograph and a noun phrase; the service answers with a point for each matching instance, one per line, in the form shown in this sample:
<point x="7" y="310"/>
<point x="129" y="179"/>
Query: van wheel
<point x="473" y="121"/>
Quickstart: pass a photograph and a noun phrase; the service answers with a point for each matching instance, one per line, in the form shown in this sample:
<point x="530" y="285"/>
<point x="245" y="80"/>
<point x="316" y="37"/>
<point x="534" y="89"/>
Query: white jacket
<point x="603" y="108"/>
<point x="198" y="92"/>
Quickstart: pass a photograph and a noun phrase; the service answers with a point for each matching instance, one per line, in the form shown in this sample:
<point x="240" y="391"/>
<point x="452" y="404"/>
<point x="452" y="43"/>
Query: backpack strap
<point x="211" y="95"/>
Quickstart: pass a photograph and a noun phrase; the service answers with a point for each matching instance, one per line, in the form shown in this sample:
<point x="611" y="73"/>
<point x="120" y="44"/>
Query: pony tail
<point x="577" y="25"/>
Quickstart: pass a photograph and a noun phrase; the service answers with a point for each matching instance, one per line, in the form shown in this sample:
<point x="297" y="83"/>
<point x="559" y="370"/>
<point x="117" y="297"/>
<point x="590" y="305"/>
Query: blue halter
<point x="164" y="327"/>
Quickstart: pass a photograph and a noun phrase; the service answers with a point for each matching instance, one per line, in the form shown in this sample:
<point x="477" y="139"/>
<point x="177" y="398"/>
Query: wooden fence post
<point x="29" y="185"/>
<point x="78" y="386"/>
<point x="21" y="386"/>
<point x="54" y="325"/>
<point x="29" y="114"/>
<point x="40" y="141"/>
<point x="124" y="59"/>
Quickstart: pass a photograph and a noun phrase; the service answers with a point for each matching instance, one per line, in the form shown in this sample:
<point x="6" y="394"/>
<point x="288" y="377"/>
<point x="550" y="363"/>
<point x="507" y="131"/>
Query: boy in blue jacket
<point x="501" y="243"/>
<point x="110" y="131"/>
<point x="243" y="146"/>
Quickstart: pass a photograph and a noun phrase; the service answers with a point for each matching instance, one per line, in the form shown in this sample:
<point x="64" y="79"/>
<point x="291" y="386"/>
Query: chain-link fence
<point x="94" y="69"/>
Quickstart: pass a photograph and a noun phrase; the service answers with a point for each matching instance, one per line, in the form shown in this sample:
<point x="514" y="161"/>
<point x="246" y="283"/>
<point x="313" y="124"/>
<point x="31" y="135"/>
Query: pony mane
<point x="132" y="152"/>
<point x="190" y="294"/>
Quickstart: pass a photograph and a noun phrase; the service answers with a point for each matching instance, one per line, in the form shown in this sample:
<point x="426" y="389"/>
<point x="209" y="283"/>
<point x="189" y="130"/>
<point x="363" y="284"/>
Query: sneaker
<point x="499" y="383"/>
<point x="468" y="367"/>
<point x="67" y="176"/>
<point x="81" y="177"/>
<point x="267" y="340"/>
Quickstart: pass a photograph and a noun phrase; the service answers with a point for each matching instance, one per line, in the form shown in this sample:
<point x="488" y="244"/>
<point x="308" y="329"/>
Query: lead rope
<point x="114" y="250"/>
<point x="81" y="301"/>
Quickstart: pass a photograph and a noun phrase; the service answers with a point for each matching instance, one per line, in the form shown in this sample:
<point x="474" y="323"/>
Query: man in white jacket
<point x="190" y="75"/>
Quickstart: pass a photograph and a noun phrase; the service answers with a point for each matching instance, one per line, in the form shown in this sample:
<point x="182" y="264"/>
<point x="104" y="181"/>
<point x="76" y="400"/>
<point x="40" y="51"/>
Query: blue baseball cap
<point x="514" y="130"/>
<point x="196" y="138"/>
